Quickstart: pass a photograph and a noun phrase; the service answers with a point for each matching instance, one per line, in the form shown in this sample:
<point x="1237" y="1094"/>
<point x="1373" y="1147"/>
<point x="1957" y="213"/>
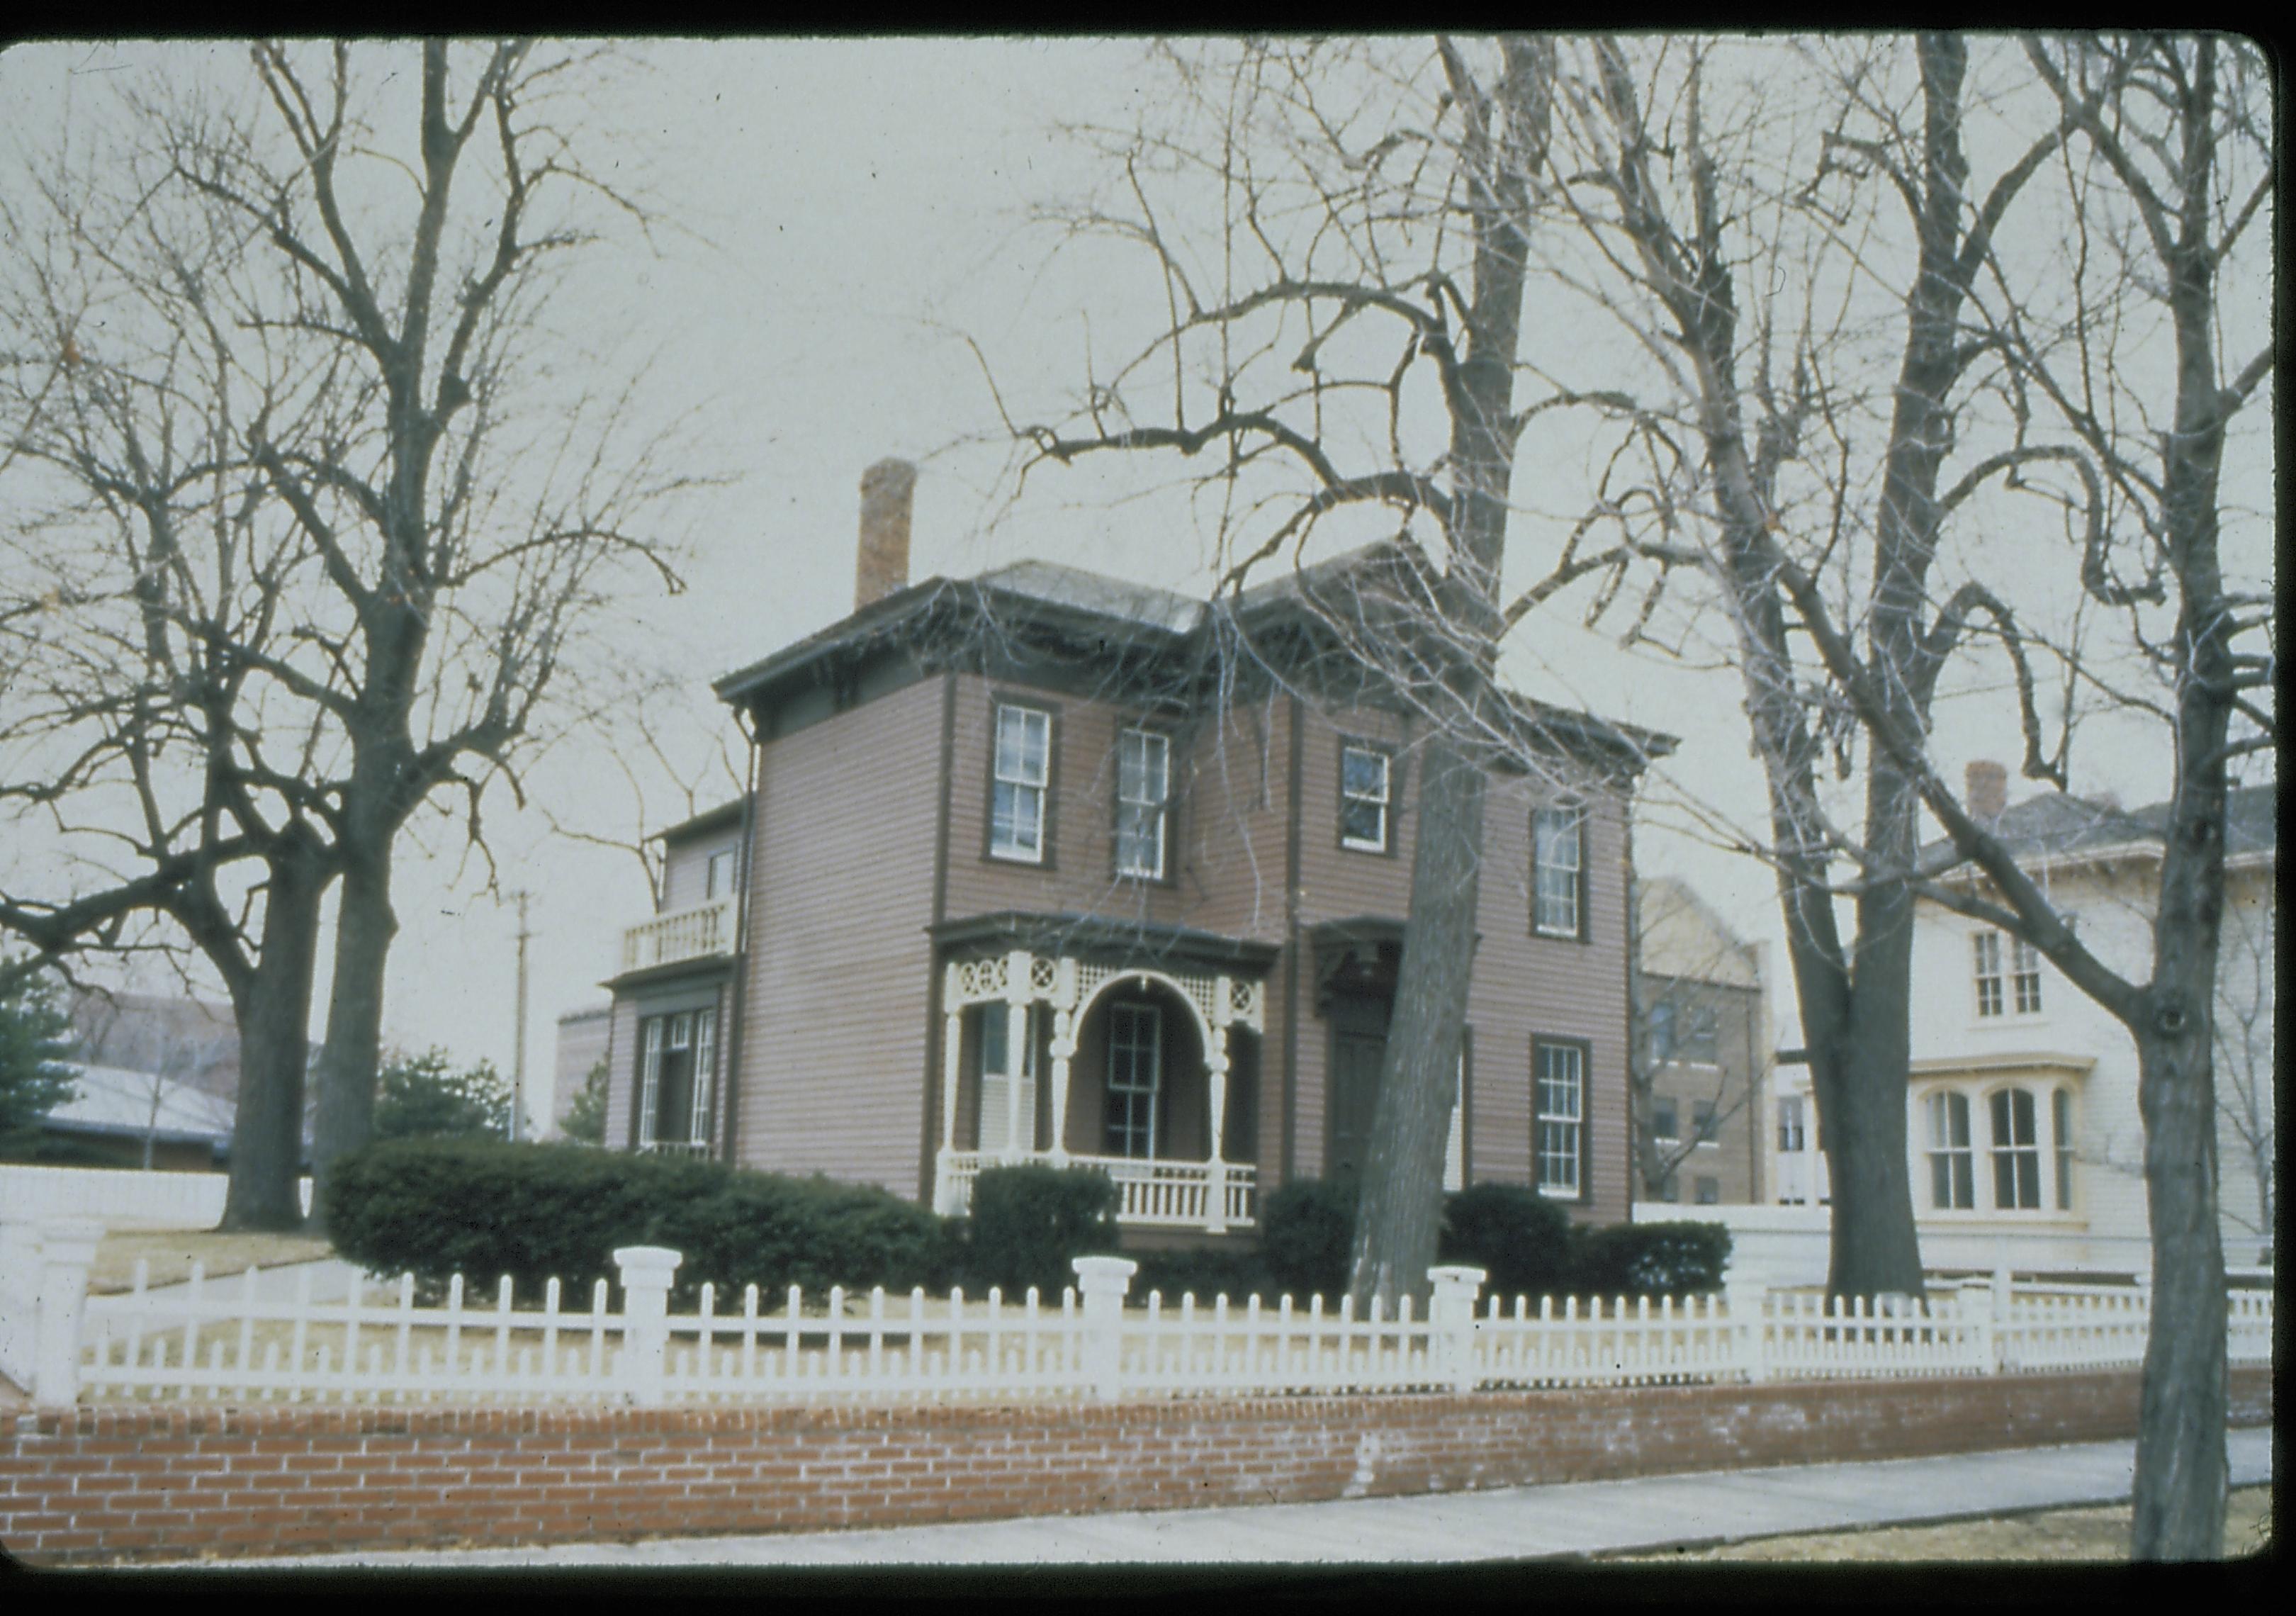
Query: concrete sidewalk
<point x="1463" y="1528"/>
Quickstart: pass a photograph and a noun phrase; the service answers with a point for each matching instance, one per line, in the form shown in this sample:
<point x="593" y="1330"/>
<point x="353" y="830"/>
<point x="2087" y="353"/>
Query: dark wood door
<point x="1356" y="1060"/>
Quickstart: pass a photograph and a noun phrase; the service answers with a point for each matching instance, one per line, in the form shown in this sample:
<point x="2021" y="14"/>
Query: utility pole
<point x="518" y="1059"/>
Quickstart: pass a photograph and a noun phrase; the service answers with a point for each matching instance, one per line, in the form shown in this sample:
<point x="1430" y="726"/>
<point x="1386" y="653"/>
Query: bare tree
<point x="342" y="286"/>
<point x="1343" y="342"/>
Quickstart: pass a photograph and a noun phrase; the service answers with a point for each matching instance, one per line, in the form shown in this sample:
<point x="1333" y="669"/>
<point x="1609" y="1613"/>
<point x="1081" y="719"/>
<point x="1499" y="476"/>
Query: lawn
<point x="171" y="1252"/>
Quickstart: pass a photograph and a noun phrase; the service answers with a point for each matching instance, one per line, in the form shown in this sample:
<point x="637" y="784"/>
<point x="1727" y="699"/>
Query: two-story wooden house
<point x="1041" y="865"/>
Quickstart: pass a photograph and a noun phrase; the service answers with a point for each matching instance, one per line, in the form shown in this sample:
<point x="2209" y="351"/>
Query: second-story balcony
<point x="702" y="931"/>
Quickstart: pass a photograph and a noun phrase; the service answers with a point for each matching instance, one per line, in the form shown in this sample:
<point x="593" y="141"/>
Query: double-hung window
<point x="2016" y="1151"/>
<point x="717" y="880"/>
<point x="1144" y="790"/>
<point x="1023" y="768"/>
<point x="1559" y="1132"/>
<point x="1366" y="778"/>
<point x="1558" y="863"/>
<point x="1987" y="946"/>
<point x="1953" y="1169"/>
<point x="1135" y="1062"/>
<point x="2025" y="976"/>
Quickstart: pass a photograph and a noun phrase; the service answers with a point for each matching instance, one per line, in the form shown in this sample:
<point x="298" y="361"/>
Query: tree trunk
<point x="1400" y="1214"/>
<point x="274" y="1012"/>
<point x="364" y="927"/>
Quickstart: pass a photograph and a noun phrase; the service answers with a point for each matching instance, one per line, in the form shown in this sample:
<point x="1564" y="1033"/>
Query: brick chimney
<point x="1985" y="789"/>
<point x="882" y="566"/>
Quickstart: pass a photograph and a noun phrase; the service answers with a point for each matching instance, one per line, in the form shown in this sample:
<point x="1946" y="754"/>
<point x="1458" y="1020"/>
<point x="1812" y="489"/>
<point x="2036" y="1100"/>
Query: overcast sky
<point x="852" y="210"/>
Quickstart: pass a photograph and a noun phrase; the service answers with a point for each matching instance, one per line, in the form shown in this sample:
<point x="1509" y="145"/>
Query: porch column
<point x="1215" y="1071"/>
<point x="1018" y="966"/>
<point x="952" y="1045"/>
<point x="1064" y="1032"/>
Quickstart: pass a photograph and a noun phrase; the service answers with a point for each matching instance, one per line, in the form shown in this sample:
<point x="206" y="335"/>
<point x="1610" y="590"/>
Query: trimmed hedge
<point x="1520" y="1238"/>
<point x="1029" y="1221"/>
<point x="484" y="1208"/>
<point x="1649" y="1260"/>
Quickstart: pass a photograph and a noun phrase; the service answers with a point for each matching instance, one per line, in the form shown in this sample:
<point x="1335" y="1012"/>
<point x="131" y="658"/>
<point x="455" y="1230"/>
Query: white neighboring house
<point x="2026" y="1145"/>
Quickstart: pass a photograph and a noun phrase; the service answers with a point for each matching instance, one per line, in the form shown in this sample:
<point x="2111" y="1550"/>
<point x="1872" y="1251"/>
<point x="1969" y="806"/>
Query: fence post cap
<point x="1455" y="1274"/>
<point x="648" y="1259"/>
<point x="1104" y="1268"/>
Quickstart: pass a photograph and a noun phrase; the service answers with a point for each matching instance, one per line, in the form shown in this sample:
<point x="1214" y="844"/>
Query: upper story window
<point x="1144" y="792"/>
<point x="1022" y="769"/>
<point x="1685" y="1032"/>
<point x="1701" y="1120"/>
<point x="1559" y="1134"/>
<point x="1367" y="776"/>
<point x="2022" y="986"/>
<point x="1664" y="1124"/>
<point x="718" y="880"/>
<point x="1558" y="870"/>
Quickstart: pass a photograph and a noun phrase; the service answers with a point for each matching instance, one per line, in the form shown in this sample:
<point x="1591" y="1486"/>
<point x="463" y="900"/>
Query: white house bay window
<point x="1953" y="1170"/>
<point x="1016" y="815"/>
<point x="2016" y="1151"/>
<point x="1144" y="782"/>
<point x="1559" y="1132"/>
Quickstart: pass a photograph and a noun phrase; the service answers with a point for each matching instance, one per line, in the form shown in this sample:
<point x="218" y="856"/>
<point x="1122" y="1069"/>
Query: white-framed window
<point x="1953" y="1167"/>
<point x="999" y="1074"/>
<point x="1791" y="1125"/>
<point x="718" y="878"/>
<point x="1023" y="766"/>
<point x="2025" y="976"/>
<point x="1135" y="1072"/>
<point x="1367" y="776"/>
<point x="2017" y="1151"/>
<point x="1987" y="946"/>
<point x="1557" y="864"/>
<point x="1559" y="1132"/>
<point x="677" y="1057"/>
<point x="2002" y="991"/>
<point x="1144" y="790"/>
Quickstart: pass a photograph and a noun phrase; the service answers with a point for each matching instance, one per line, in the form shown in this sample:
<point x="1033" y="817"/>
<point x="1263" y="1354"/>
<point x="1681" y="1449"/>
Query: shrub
<point x="1206" y="1274"/>
<point x="483" y="1209"/>
<point x="1306" y="1230"/>
<point x="1520" y="1238"/>
<point x="1649" y="1260"/>
<point x="424" y="1096"/>
<point x="1027" y="1222"/>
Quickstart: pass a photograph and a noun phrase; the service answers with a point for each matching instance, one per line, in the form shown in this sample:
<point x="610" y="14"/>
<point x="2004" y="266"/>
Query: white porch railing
<point x="247" y="1340"/>
<point x="697" y="1148"/>
<point x="1150" y="1193"/>
<point x="681" y="934"/>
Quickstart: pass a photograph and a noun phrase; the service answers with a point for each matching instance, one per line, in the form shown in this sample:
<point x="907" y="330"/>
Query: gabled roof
<point x="2056" y="825"/>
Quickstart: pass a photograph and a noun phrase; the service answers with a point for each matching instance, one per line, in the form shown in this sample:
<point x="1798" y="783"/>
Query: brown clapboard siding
<point x="835" y="1020"/>
<point x="621" y="1072"/>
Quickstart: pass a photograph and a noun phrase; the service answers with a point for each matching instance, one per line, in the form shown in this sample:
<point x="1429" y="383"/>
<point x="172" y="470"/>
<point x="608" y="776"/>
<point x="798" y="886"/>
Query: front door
<point x="1358" y="1051"/>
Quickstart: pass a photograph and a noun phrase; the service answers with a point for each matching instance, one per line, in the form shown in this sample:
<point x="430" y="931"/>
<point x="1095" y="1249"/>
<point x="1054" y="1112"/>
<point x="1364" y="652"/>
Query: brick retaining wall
<point x="120" y="1481"/>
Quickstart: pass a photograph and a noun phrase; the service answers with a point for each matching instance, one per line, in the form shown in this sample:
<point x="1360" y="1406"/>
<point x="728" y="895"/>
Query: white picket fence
<point x="256" y="1339"/>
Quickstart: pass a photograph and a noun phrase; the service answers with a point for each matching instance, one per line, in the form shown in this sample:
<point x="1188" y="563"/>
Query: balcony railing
<point x="681" y="934"/>
<point x="1150" y="1195"/>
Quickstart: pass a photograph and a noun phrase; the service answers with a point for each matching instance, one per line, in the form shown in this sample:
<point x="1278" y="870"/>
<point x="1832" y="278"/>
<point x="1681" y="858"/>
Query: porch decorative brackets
<point x="1215" y="1194"/>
